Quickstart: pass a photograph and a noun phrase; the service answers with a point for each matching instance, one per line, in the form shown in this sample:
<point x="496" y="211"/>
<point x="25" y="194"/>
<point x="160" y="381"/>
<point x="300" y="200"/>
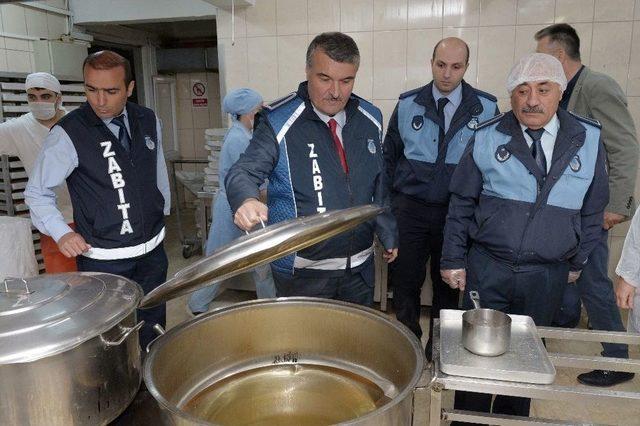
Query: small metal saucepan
<point x="485" y="332"/>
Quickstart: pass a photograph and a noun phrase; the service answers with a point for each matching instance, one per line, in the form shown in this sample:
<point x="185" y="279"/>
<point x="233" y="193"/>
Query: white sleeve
<point x="629" y="264"/>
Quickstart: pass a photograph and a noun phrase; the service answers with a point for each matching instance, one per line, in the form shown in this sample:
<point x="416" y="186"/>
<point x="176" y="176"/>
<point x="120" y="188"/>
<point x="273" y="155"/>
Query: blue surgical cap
<point x="241" y="101"/>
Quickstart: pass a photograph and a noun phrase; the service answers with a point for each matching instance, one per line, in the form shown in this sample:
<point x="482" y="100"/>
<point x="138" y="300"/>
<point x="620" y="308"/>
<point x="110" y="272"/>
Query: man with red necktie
<point x="320" y="147"/>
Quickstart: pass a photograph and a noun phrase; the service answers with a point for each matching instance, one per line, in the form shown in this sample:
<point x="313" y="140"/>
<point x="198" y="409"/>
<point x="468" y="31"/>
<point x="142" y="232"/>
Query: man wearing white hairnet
<point x="243" y="105"/>
<point x="527" y="205"/>
<point x="23" y="137"/>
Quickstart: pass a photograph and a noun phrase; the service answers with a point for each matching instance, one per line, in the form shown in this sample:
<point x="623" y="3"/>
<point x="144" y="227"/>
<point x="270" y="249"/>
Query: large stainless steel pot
<point x="295" y="361"/>
<point x="69" y="351"/>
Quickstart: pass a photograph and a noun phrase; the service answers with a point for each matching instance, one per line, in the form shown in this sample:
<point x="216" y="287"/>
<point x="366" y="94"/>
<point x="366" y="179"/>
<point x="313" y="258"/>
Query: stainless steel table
<point x="441" y="382"/>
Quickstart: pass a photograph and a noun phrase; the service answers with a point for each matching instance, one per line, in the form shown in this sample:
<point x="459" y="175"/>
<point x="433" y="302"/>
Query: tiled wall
<point x="191" y="121"/>
<point x="16" y="55"/>
<point x="396" y="39"/>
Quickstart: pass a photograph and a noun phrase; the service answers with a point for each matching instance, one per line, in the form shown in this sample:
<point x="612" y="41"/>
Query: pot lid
<point x="258" y="248"/>
<point x="47" y="315"/>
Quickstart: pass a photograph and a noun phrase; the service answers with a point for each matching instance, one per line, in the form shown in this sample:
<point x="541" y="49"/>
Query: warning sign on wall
<point x="199" y="94"/>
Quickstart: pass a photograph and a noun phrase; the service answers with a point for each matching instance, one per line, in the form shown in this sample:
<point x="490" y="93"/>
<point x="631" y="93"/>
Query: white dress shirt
<point x="548" y="139"/>
<point x="341" y="119"/>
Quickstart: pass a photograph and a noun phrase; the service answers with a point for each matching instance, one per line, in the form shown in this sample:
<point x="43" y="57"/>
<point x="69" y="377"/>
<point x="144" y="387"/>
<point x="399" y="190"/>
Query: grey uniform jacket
<point x="598" y="96"/>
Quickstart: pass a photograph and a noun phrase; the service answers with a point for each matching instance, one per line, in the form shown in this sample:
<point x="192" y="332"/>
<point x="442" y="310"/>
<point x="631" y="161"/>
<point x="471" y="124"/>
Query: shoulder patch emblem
<point x="371" y="145"/>
<point x="502" y="154"/>
<point x="417" y="122"/>
<point x="149" y="142"/>
<point x="575" y="163"/>
<point x="473" y="123"/>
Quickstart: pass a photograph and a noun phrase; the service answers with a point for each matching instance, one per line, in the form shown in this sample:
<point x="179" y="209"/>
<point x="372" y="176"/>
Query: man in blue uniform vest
<point x="320" y="148"/>
<point x="428" y="131"/>
<point x="110" y="154"/>
<point x="527" y="205"/>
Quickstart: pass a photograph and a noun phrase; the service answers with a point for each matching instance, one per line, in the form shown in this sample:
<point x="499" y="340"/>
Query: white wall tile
<point x="425" y="14"/>
<point x="497" y="12"/>
<point x="17" y="44"/>
<point x="2" y="44"/>
<point x="612" y="40"/>
<point x="18" y="61"/>
<point x="232" y="60"/>
<point x="36" y="22"/>
<point x="60" y="4"/>
<point x="185" y="143"/>
<point x="386" y="107"/>
<point x="263" y="61"/>
<point x="324" y="15"/>
<point x="536" y="11"/>
<point x="585" y="33"/>
<point x="223" y="23"/>
<point x="389" y="63"/>
<point x="57" y="25"/>
<point x="574" y="10"/>
<point x="495" y="58"/>
<point x="420" y="44"/>
<point x="13" y="19"/>
<point x="614" y="10"/>
<point x="636" y="10"/>
<point x="291" y="17"/>
<point x="200" y="120"/>
<point x="525" y="43"/>
<point x="183" y="88"/>
<point x="633" y="87"/>
<point x="184" y="114"/>
<point x="389" y="15"/>
<point x="356" y="15"/>
<point x="291" y="62"/>
<point x="461" y="13"/>
<point x="261" y="18"/>
<point x="364" y="78"/>
<point x="470" y="36"/>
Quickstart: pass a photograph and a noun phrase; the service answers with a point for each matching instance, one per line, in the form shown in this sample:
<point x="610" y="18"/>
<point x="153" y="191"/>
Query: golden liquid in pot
<point x="287" y="394"/>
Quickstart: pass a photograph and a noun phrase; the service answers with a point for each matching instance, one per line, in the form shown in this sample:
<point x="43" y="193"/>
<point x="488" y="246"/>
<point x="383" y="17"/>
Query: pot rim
<point x="370" y="312"/>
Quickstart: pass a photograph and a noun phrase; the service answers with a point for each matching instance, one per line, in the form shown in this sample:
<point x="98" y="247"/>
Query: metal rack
<point x="193" y="183"/>
<point x="441" y="382"/>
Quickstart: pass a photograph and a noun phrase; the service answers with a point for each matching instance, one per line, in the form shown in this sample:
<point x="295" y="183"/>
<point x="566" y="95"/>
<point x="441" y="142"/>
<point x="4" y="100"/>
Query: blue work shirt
<point x="455" y="97"/>
<point x="58" y="149"/>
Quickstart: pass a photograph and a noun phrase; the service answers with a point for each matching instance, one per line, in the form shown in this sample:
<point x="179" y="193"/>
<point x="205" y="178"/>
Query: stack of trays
<point x="213" y="144"/>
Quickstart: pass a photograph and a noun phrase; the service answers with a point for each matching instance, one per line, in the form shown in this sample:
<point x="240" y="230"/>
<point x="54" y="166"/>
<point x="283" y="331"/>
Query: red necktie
<point x="333" y="125"/>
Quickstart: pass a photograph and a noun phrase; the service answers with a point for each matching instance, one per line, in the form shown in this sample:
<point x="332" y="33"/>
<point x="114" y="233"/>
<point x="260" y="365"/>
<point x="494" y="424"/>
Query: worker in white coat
<point x="628" y="271"/>
<point x="23" y="137"/>
<point x="242" y="105"/>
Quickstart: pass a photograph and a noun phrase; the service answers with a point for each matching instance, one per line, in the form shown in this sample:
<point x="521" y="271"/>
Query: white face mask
<point x="43" y="110"/>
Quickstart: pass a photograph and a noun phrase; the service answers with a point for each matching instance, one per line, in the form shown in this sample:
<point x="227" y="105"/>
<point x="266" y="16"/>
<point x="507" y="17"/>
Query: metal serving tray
<point x="526" y="360"/>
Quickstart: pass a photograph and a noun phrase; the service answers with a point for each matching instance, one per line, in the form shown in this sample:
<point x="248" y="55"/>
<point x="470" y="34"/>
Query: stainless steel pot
<point x="289" y="361"/>
<point x="69" y="352"/>
<point x="485" y="332"/>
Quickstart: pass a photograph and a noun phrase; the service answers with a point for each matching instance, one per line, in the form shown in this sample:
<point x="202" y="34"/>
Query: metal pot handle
<point x="160" y="331"/>
<point x="475" y="298"/>
<point x="127" y="332"/>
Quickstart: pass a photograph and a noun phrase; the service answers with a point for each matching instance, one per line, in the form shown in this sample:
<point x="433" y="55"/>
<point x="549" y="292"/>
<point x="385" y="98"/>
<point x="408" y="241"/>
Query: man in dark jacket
<point x="320" y="148"/>
<point x="526" y="208"/>
<point x="427" y="134"/>
<point x="109" y="152"/>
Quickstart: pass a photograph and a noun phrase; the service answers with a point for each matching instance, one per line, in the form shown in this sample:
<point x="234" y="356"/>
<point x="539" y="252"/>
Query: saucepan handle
<point x="475" y="298"/>
<point x="126" y="331"/>
<point x="160" y="331"/>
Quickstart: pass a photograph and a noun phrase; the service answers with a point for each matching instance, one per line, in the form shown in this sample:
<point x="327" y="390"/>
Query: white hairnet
<point x="42" y="80"/>
<point x="241" y="101"/>
<point x="536" y="67"/>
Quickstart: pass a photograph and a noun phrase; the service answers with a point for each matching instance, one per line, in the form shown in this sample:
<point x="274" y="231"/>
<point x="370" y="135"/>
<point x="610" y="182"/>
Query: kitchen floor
<point x="603" y="413"/>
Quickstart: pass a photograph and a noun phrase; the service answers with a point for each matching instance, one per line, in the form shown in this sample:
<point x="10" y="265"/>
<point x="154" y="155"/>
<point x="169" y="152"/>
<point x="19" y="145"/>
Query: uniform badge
<point x="371" y="145"/>
<point x="502" y="154"/>
<point x="575" y="164"/>
<point x="149" y="142"/>
<point x="473" y="123"/>
<point x="417" y="122"/>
